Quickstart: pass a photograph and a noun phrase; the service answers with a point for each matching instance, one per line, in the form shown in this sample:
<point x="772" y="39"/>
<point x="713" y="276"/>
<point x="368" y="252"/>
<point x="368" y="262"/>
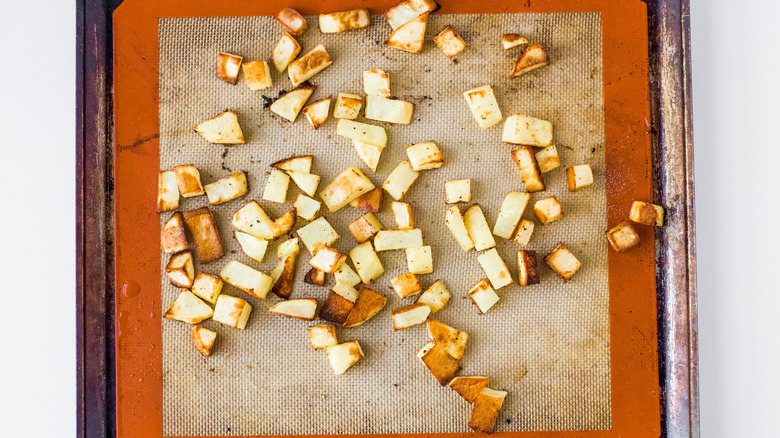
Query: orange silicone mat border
<point x="632" y="291"/>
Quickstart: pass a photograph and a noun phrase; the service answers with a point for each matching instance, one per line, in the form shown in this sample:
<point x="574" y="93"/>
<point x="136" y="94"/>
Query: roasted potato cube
<point x="402" y="213"/>
<point x="205" y="234"/>
<point x="623" y="237"/>
<point x="419" y="260"/>
<point x="188" y="180"/>
<point x="284" y="278"/>
<point x="181" y="269"/>
<point x="495" y="269"/>
<point x="347" y="106"/>
<point x="167" y="191"/>
<point x="483" y="296"/>
<point x="317" y="234"/>
<point x="302" y="308"/>
<point x="257" y="75"/>
<point x="292" y="21"/>
<point x="400" y="180"/>
<point x="367" y="263"/>
<point x="469" y="387"/>
<point x="524" y="231"/>
<point x="389" y="110"/>
<point x="336" y="22"/>
<point x="188" y="308"/>
<point x="449" y="42"/>
<point x="371" y="201"/>
<point x="410" y="36"/>
<point x="339" y="303"/>
<point x="435" y="297"/>
<point x="579" y="176"/>
<point x="308" y="65"/>
<point x="478" y="228"/>
<point x="647" y="214"/>
<point x="528" y="131"/>
<point x="407" y="10"/>
<point x="285" y="52"/>
<point x="343" y="356"/>
<point x="529" y="169"/>
<point x="207" y="287"/>
<point x="407" y="316"/>
<point x="317" y="112"/>
<point x="424" y="156"/>
<point x="483" y="105"/>
<point x="174" y="239"/>
<point x="454" y="222"/>
<point x="509" y="40"/>
<point x="252" y="219"/>
<point x="232" y="311"/>
<point x="300" y="163"/>
<point x="368" y="153"/>
<point x="406" y="285"/>
<point x="289" y="105"/>
<point x="276" y="187"/>
<point x="284" y="224"/>
<point x="365" y="227"/>
<point x="346" y="274"/>
<point x="327" y="260"/>
<point x="346" y="187"/>
<point x="451" y="339"/>
<point x="548" y="210"/>
<point x="510" y="214"/>
<point x="323" y="335"/>
<point x="249" y="280"/>
<point x="526" y="268"/>
<point x="315" y="277"/>
<point x="228" y="66"/>
<point x="362" y="132"/>
<point x="222" y="129"/>
<point x="307" y="207"/>
<point x="368" y="304"/>
<point x="563" y="262"/>
<point x="486" y="407"/>
<point x="532" y="57"/>
<point x="458" y="190"/>
<point x="226" y="189"/>
<point x="388" y="240"/>
<point x="376" y="83"/>
<point x="443" y="366"/>
<point x="203" y="339"/>
<point x="548" y="159"/>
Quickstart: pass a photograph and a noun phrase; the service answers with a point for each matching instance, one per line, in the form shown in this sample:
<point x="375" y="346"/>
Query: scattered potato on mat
<point x="203" y="339"/>
<point x="407" y="316"/>
<point x="368" y="153"/>
<point x="368" y="304"/>
<point x="232" y="311"/>
<point x="483" y="296"/>
<point x="307" y="182"/>
<point x="478" y="228"/>
<point x="485" y="411"/>
<point x="524" y="231"/>
<point x="302" y="308"/>
<point x="458" y="190"/>
<point x="327" y="260"/>
<point x="419" y="260"/>
<point x="306" y="207"/>
<point x="495" y="268"/>
<point x="402" y="213"/>
<point x="346" y="274"/>
<point x="247" y="279"/>
<point x="384" y="109"/>
<point x="563" y="262"/>
<point x="292" y="21"/>
<point x="317" y="234"/>
<point x="400" y="180"/>
<point x="406" y="285"/>
<point x="469" y="387"/>
<point x="181" y="269"/>
<point x="365" y="227"/>
<point x="188" y="180"/>
<point x="207" y="287"/>
<point x="376" y="83"/>
<point x="228" y="66"/>
<point x="276" y="187"/>
<point x="410" y="36"/>
<point x="528" y="131"/>
<point x="301" y="163"/>
<point x="323" y="335"/>
<point x="647" y="214"/>
<point x="532" y="57"/>
<point x="548" y="210"/>
<point x="188" y="308"/>
<point x="226" y="189"/>
<point x="579" y="176"/>
<point x="336" y="22"/>
<point x="527" y="268"/>
<point x="174" y="239"/>
<point x="443" y="366"/>
<point x="529" y="169"/>
<point x="205" y="234"/>
<point x="451" y="339"/>
<point x="343" y="356"/>
<point x="509" y="40"/>
<point x="289" y="105"/>
<point x="222" y="129"/>
<point x="315" y="277"/>
<point x="167" y="191"/>
<point x="285" y="52"/>
<point x="367" y="263"/>
<point x="257" y="75"/>
<point x="435" y="297"/>
<point x="362" y="132"/>
<point x="623" y="237"/>
<point x="317" y="112"/>
<point x="346" y="187"/>
<point x="449" y="42"/>
<point x="483" y="105"/>
<point x="308" y="65"/>
<point x="288" y="252"/>
<point x="371" y="201"/>
<point x="253" y="220"/>
<point x="347" y="106"/>
<point x="424" y="156"/>
<point x="339" y="303"/>
<point x="407" y="10"/>
<point x="510" y="214"/>
<point x="388" y="240"/>
<point x="548" y="159"/>
<point x="454" y="222"/>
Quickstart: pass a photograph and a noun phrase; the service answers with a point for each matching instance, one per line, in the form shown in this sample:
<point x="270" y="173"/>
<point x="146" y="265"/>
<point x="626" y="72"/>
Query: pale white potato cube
<point x="276" y="187"/>
<point x="323" y="335"/>
<point x="407" y="10"/>
<point x="346" y="187"/>
<point x="387" y="240"/>
<point x="368" y="153"/>
<point x="510" y="214"/>
<point x="302" y="308"/>
<point x="435" y="297"/>
<point x="207" y="287"/>
<point x="419" y="260"/>
<point x="306" y="207"/>
<point x="347" y="275"/>
<point x="483" y="296"/>
<point x="167" y="191"/>
<point x="252" y="246"/>
<point x="222" y="129"/>
<point x="449" y="42"/>
<point x="646" y="213"/>
<point x="252" y="219"/>
<point x="529" y="169"/>
<point x="454" y="222"/>
<point x="563" y="262"/>
<point x="317" y="234"/>
<point x="376" y="83"/>
<point x="524" y="231"/>
<point x="389" y="110"/>
<point x="291" y="103"/>
<point x="410" y="36"/>
<point x="407" y="316"/>
<point x="424" y="156"/>
<point x="343" y="356"/>
<point x="249" y="280"/>
<point x="347" y="106"/>
<point x="362" y="132"/>
<point x="579" y="176"/>
<point x="458" y="190"/>
<point x="367" y="263"/>
<point x="300" y="163"/>
<point x="548" y="210"/>
<point x="308" y="65"/>
<point x="188" y="308"/>
<point x="226" y="189"/>
<point x="402" y="213"/>
<point x="232" y="311"/>
<point x="345" y="20"/>
<point x="526" y="130"/>
<point x="400" y="180"/>
<point x="285" y="52"/>
<point x="509" y="40"/>
<point x="327" y="260"/>
<point x="548" y="159"/>
<point x="228" y="66"/>
<point x="483" y="105"/>
<point x="317" y="112"/>
<point x="257" y="75"/>
<point x="188" y="179"/>
<point x="495" y="269"/>
<point x="307" y="182"/>
<point x="478" y="228"/>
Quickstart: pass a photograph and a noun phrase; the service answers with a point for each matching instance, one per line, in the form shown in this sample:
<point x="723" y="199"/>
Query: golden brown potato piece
<point x="203" y="339"/>
<point x="469" y="387"/>
<point x="443" y="366"/>
<point x="623" y="237"/>
<point x="563" y="262"/>
<point x="343" y="21"/>
<point x="371" y="201"/>
<point x="228" y="66"/>
<point x="531" y="58"/>
<point x="205" y="234"/>
<point x="174" y="239"/>
<point x="336" y="308"/>
<point x="647" y="214"/>
<point x="527" y="268"/>
<point x="188" y="179"/>
<point x="368" y="304"/>
<point x="449" y="41"/>
<point x="486" y="407"/>
<point x="181" y="270"/>
<point x="292" y="21"/>
<point x="410" y="36"/>
<point x="315" y="277"/>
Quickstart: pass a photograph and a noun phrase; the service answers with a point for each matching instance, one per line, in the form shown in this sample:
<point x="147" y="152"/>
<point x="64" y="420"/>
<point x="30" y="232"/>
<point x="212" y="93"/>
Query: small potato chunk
<point x="424" y="156"/>
<point x="528" y="131"/>
<point x="327" y="260"/>
<point x="388" y="240"/>
<point x="376" y="83"/>
<point x="276" y="187"/>
<point x="443" y="366"/>
<point x="317" y="112"/>
<point x="529" y="169"/>
<point x="623" y="237"/>
<point x="524" y="231"/>
<point x="485" y="411"/>
<point x="348" y="275"/>
<point x="308" y="65"/>
<point x="410" y="36"/>
<point x="228" y="66"/>
<point x="222" y="129"/>
<point x="449" y="42"/>
<point x="406" y="285"/>
<point x="469" y="387"/>
<point x="510" y="214"/>
<point x="188" y="180"/>
<point x="407" y="10"/>
<point x="647" y="214"/>
<point x="347" y="106"/>
<point x="371" y="201"/>
<point x="181" y="269"/>
<point x="458" y="190"/>
<point x="232" y="311"/>
<point x="249" y="280"/>
<point x="368" y="304"/>
<point x="285" y="52"/>
<point x="454" y="222"/>
<point x="205" y="234"/>
<point x="478" y="228"/>
<point x="315" y="277"/>
<point x="400" y="180"/>
<point x="563" y="262"/>
<point x="323" y="335"/>
<point x="419" y="260"/>
<point x="289" y="105"/>
<point x="367" y="263"/>
<point x="407" y="316"/>
<point x="548" y="210"/>
<point x="188" y="308"/>
<point x="300" y="163"/>
<point x="343" y="356"/>
<point x="253" y="220"/>
<point x="435" y="297"/>
<point x="365" y="227"/>
<point x="548" y="159"/>
<point x="509" y="40"/>
<point x="389" y="110"/>
<point x="532" y="57"/>
<point x="257" y="75"/>
<point x="307" y="182"/>
<point x="167" y="191"/>
<point x="362" y="132"/>
<point x="226" y="189"/>
<point x="495" y="269"/>
<point x="306" y="207"/>
<point x="527" y="268"/>
<point x="339" y="303"/>
<point x="203" y="339"/>
<point x="483" y="105"/>
<point x="451" y="339"/>
<point x="317" y="234"/>
<point x="368" y="153"/>
<point x="483" y="296"/>
<point x="302" y="308"/>
<point x="174" y="239"/>
<point x="207" y="287"/>
<point x="336" y="22"/>
<point x="402" y="213"/>
<point x="346" y="187"/>
<point x="292" y="21"/>
<point x="579" y="176"/>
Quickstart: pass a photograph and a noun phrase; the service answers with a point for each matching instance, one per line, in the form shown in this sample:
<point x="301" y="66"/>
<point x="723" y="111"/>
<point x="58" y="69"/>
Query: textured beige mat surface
<point x="548" y="345"/>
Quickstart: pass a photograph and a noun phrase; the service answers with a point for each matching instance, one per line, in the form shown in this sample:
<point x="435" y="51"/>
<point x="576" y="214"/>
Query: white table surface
<point x="737" y="120"/>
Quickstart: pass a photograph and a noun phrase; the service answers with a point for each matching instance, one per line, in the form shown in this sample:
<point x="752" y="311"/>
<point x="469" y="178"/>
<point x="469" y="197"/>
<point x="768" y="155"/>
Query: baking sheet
<point x="548" y="345"/>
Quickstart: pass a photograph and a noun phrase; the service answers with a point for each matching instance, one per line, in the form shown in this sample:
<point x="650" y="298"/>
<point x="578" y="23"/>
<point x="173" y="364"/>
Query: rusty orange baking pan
<point x="652" y="295"/>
